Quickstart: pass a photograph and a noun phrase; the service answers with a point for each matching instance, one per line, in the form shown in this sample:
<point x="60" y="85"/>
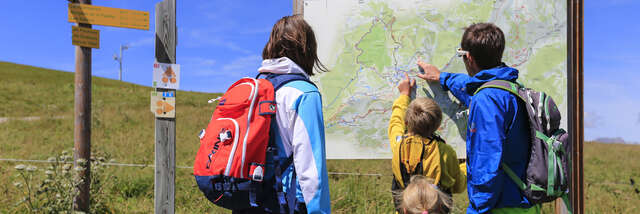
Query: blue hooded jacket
<point x="497" y="131"/>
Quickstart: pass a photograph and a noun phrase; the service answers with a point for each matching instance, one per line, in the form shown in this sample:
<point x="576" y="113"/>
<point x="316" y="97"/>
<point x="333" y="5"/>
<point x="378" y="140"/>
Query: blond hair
<point x="423" y="117"/>
<point x="421" y="195"/>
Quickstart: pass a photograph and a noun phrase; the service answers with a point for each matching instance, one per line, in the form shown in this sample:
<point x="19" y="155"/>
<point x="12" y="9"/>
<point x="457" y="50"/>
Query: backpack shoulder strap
<point x="438" y="138"/>
<point x="504" y="85"/>
<point x="279" y="80"/>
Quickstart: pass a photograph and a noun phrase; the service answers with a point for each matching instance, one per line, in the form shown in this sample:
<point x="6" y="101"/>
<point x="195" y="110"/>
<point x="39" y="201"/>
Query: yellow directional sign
<point x="116" y="17"/>
<point x="85" y="37"/>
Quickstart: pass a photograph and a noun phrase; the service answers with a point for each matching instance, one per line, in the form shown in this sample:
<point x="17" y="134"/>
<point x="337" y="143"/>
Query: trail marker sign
<point x="163" y="104"/>
<point x="85" y="37"/>
<point x="116" y="17"/>
<point x="166" y="75"/>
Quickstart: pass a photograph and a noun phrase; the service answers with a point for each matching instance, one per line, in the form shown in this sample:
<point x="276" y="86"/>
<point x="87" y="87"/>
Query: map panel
<point x="369" y="44"/>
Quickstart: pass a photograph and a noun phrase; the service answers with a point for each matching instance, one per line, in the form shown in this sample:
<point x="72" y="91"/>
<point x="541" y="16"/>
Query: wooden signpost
<point x="165" y="136"/>
<point x="85" y="38"/>
<point x="82" y="121"/>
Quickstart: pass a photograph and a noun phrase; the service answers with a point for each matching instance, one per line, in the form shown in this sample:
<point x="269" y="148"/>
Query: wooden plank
<point x="85" y="37"/>
<point x="166" y="39"/>
<point x="116" y="17"/>
<point x="165" y="143"/>
<point x="165" y="161"/>
<point x="298" y="7"/>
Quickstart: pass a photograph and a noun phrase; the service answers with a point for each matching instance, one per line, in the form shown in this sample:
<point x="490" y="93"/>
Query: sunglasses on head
<point x="461" y="53"/>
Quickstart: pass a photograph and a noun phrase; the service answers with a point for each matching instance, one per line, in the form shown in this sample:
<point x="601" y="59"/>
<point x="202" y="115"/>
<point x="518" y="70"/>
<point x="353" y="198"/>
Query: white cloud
<point x="198" y="66"/>
<point x="592" y="120"/>
<point x="243" y="64"/>
<point x="200" y="37"/>
<point x="147" y="41"/>
<point x="236" y="68"/>
<point x="257" y="30"/>
<point x="199" y="61"/>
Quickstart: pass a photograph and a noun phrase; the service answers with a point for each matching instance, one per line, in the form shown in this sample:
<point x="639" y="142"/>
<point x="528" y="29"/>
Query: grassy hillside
<point x="123" y="127"/>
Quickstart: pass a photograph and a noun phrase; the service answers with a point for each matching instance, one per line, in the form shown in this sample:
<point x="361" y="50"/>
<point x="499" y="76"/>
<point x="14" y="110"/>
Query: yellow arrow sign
<point x="116" y="17"/>
<point x="163" y="107"/>
<point x="163" y="104"/>
<point x="85" y="37"/>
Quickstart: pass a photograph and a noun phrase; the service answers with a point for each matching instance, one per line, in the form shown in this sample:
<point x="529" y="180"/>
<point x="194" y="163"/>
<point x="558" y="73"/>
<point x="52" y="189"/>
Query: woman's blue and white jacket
<point x="300" y="125"/>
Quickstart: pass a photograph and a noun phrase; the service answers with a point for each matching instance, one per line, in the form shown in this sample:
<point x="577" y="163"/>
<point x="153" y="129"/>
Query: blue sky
<point x="612" y="69"/>
<point x="220" y="41"/>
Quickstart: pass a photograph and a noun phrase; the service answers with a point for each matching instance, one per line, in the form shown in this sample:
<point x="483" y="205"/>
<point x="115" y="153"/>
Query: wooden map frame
<point x="575" y="94"/>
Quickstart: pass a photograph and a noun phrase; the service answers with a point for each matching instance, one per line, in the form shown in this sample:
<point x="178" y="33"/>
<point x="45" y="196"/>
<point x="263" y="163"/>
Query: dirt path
<point x="32" y="118"/>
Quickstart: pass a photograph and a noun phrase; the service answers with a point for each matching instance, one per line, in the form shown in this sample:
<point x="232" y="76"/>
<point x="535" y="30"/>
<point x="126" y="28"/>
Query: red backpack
<point x="230" y="165"/>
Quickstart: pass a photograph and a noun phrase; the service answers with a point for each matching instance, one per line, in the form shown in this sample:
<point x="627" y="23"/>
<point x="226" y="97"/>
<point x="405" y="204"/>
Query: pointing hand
<point x="431" y="72"/>
<point x="406" y="85"/>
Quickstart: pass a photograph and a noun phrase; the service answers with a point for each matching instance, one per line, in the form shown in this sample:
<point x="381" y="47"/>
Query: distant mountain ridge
<point x="613" y="140"/>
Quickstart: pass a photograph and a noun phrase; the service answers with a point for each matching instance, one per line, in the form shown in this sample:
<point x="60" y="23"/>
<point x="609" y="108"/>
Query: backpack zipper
<point x="235" y="143"/>
<point x="235" y="140"/>
<point x="244" y="143"/>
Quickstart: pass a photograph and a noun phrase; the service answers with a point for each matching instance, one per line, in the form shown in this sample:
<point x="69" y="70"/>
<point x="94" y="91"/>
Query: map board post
<point x="165" y="130"/>
<point x="373" y="43"/>
<point x="575" y="91"/>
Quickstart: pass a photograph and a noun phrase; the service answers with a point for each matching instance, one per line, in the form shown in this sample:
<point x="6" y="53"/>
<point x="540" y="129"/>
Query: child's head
<point x="422" y="196"/>
<point x="423" y="117"/>
<point x="292" y="37"/>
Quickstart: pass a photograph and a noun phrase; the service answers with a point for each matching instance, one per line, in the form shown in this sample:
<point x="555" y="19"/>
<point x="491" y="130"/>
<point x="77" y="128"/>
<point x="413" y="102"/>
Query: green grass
<point x="123" y="126"/>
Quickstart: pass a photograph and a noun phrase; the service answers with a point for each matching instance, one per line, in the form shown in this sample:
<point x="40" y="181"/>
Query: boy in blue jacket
<point x="497" y="129"/>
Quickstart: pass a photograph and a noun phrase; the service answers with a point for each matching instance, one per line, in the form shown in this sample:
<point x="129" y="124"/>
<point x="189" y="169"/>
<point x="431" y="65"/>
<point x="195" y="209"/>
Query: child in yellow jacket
<point x="415" y="147"/>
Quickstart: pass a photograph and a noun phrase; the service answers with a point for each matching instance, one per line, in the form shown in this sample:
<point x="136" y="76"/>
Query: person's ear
<point x="471" y="60"/>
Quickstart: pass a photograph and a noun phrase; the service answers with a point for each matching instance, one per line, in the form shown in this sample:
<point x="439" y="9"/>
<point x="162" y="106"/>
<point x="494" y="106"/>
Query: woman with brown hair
<point x="298" y="147"/>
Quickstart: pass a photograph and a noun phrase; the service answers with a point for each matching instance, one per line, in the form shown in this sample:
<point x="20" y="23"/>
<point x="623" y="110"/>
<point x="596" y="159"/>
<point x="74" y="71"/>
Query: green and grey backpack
<point x="547" y="174"/>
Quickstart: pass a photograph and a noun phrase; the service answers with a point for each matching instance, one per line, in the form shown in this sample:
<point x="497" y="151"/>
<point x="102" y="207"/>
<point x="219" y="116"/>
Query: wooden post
<point x="298" y="7"/>
<point x="82" y="122"/>
<point x="165" y="134"/>
<point x="576" y="105"/>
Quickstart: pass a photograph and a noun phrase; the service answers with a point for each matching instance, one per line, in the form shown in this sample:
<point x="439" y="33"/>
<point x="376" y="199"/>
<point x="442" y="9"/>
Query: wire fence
<point x="179" y="167"/>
